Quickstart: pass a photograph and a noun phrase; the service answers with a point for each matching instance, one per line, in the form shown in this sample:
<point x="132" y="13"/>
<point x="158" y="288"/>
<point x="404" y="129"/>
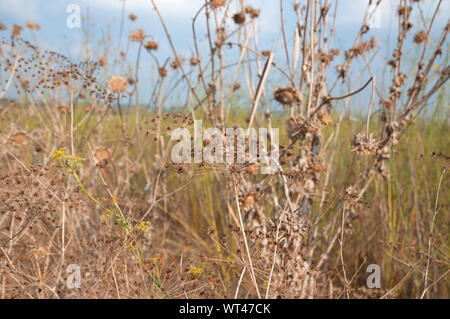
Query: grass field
<point x="90" y="197"/>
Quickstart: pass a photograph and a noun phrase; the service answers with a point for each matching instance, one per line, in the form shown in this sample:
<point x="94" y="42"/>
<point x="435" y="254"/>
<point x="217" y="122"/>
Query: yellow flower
<point x="195" y="271"/>
<point x="144" y="227"/>
<point x="68" y="162"/>
<point x="104" y="217"/>
<point x="59" y="153"/>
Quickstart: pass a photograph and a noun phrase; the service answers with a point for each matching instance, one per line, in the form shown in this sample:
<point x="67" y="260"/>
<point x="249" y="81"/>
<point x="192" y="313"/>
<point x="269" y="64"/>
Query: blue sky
<point x="105" y="15"/>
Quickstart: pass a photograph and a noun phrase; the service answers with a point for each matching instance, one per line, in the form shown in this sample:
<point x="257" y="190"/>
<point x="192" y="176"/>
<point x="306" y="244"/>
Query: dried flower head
<point x="162" y="72"/>
<point x="63" y="109"/>
<point x="151" y="45"/>
<point x="102" y="61"/>
<point x="132" y="17"/>
<point x="252" y="169"/>
<point x="420" y="36"/>
<point x="20" y="139"/>
<point x="325" y="119"/>
<point x="176" y="63"/>
<point x="137" y="35"/>
<point x="194" y="61"/>
<point x="33" y="25"/>
<point x="16" y="30"/>
<point x="2" y="26"/>
<point x="239" y="18"/>
<point x="364" y="144"/>
<point x="102" y="156"/>
<point x="253" y="13"/>
<point x="286" y="95"/>
<point x="117" y="84"/>
<point x="218" y="3"/>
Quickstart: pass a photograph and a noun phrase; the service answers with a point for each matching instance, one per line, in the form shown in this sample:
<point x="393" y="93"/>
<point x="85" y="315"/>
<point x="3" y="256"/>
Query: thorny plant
<point x="285" y="235"/>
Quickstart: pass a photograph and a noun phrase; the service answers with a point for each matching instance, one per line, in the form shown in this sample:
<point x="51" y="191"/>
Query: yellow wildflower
<point x="144" y="227"/>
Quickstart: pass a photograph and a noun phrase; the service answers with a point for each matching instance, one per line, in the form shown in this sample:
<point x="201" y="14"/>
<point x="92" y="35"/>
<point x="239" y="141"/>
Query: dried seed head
<point x="253" y="13"/>
<point x="194" y="61"/>
<point x="33" y="25"/>
<point x="420" y="36"/>
<point x="151" y="45"/>
<point x="102" y="61"/>
<point x="176" y="63"/>
<point x="2" y="26"/>
<point x="102" y="155"/>
<point x="117" y="84"/>
<point x="63" y="109"/>
<point x="218" y="3"/>
<point x="325" y="119"/>
<point x="249" y="202"/>
<point x="20" y="139"/>
<point x="137" y="35"/>
<point x="252" y="169"/>
<point x="16" y="30"/>
<point x="286" y="96"/>
<point x="239" y="18"/>
<point x="162" y="72"/>
<point x="132" y="17"/>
